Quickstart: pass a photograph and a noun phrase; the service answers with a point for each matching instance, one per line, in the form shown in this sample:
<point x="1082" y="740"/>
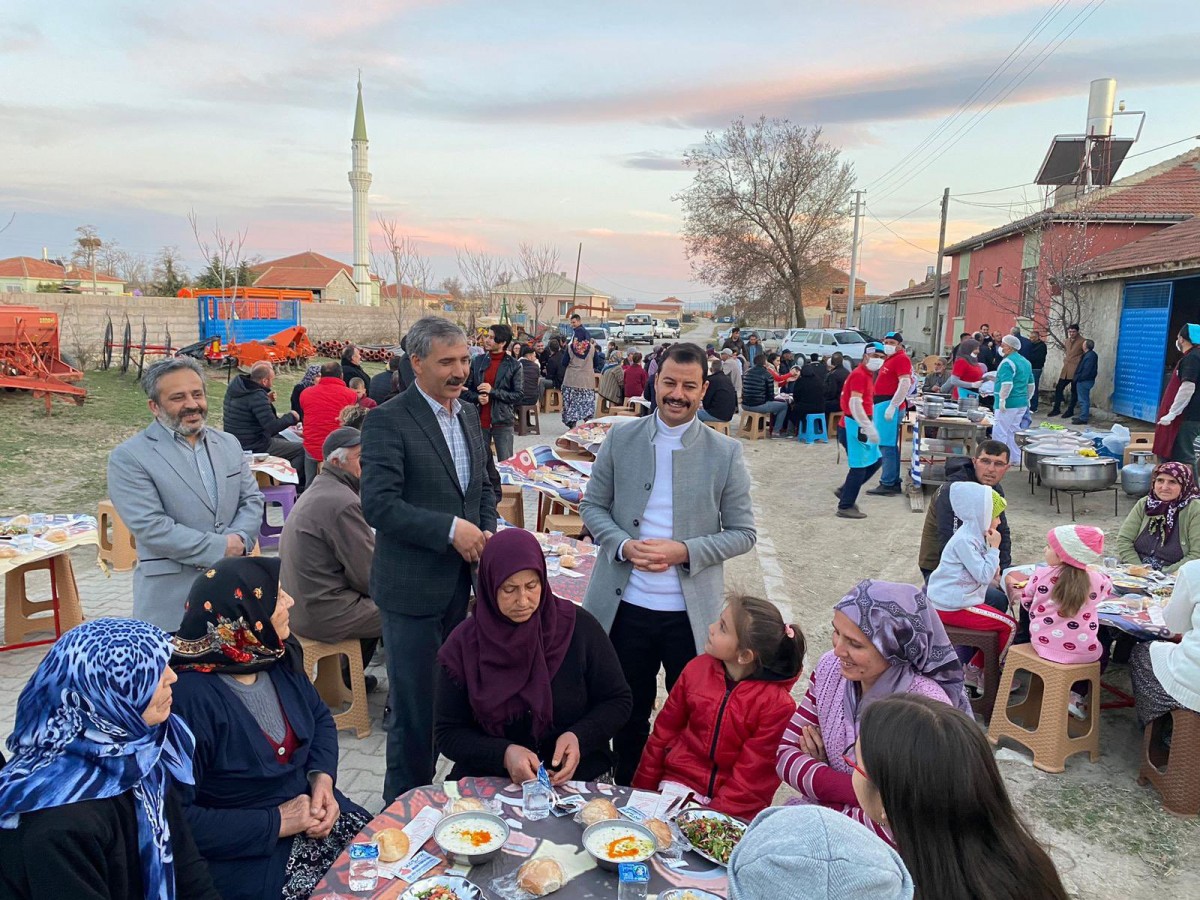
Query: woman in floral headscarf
<point x="264" y="809"/>
<point x="579" y="381"/>
<point x="1163" y="529"/>
<point x="86" y="807"/>
<point x="887" y="640"/>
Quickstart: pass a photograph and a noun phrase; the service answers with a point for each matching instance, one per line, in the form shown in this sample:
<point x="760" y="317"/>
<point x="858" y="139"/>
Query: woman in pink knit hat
<point x="1062" y="598"/>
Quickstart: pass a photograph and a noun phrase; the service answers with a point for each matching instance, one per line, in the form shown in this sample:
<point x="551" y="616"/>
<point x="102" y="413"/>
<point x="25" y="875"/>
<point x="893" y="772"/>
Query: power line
<point x="900" y="236"/>
<point x="625" y="287"/>
<point x="898" y="218"/>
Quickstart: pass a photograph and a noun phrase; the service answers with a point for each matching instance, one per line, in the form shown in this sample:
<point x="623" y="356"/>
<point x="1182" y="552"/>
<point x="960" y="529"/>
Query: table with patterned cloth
<point x="557" y="837"/>
<point x="62" y="611"/>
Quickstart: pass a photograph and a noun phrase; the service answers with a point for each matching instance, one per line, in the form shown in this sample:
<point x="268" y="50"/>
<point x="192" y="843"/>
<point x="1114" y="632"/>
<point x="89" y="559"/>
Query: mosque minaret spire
<point x="360" y="184"/>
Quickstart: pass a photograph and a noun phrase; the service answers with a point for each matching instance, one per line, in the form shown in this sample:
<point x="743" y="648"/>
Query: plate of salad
<point x="443" y="887"/>
<point x="711" y="834"/>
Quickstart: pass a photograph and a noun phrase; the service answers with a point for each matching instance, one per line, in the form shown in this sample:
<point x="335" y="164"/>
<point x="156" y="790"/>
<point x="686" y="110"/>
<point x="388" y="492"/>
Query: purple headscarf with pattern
<point x="898" y="620"/>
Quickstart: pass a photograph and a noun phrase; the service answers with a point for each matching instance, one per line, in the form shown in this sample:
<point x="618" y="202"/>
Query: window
<point x="13" y="288"/>
<point x="901" y="320"/>
<point x="979" y="280"/>
<point x="563" y="306"/>
<point x="1028" y="291"/>
<point x="960" y="309"/>
<point x="999" y="275"/>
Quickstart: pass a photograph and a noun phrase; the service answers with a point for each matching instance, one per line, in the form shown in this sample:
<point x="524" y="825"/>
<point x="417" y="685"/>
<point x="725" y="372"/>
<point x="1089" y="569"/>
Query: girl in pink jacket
<point x="1062" y="596"/>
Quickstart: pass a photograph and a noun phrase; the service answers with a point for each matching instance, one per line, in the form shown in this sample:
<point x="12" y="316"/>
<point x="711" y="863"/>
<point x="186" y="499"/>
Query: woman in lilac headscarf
<point x="886" y="640"/>
<point x="530" y="678"/>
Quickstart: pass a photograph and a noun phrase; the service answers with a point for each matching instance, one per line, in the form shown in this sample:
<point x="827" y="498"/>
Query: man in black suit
<point x="426" y="492"/>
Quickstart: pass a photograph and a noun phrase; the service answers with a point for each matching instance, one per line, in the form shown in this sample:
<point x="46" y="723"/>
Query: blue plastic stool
<point x="811" y="433"/>
<point x="283" y="496"/>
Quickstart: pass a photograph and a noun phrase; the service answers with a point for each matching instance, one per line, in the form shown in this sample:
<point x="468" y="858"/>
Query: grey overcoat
<point x="159" y="496"/>
<point x="711" y="505"/>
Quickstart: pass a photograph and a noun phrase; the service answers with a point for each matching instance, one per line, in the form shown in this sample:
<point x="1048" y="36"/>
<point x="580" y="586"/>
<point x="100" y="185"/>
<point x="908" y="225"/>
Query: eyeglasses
<point x="846" y="758"/>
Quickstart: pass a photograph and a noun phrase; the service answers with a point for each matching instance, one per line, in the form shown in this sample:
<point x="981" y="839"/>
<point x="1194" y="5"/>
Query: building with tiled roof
<point x="1172" y="249"/>
<point x="25" y="274"/>
<point x="310" y="271"/>
<point x="559" y="295"/>
<point x="1008" y="275"/>
<point x="914" y="312"/>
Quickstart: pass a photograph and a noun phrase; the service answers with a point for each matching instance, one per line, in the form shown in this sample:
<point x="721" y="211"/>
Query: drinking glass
<point x="535" y="800"/>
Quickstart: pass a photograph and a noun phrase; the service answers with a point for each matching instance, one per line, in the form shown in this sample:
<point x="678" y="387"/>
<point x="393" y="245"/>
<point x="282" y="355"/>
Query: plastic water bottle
<point x="364" y="871"/>
<point x="634" y="881"/>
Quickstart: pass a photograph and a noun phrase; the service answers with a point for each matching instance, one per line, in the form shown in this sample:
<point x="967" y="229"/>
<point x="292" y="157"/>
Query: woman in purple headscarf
<point x="887" y="640"/>
<point x="530" y="678"/>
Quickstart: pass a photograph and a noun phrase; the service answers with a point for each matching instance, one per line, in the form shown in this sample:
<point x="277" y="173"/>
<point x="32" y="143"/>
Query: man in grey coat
<point x="184" y="490"/>
<point x="668" y="502"/>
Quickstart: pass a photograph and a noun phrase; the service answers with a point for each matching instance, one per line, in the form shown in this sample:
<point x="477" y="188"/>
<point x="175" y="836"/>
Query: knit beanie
<point x="830" y="855"/>
<point x="999" y="504"/>
<point x="1077" y="545"/>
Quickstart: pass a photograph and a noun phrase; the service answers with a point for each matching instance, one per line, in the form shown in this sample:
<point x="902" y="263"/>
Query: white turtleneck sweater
<point x="659" y="591"/>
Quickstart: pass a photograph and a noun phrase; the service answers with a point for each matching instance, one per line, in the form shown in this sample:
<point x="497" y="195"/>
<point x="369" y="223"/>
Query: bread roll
<point x="21" y="521"/>
<point x="661" y="831"/>
<point x="392" y="843"/>
<point x="1138" y="571"/>
<point x="598" y="810"/>
<point x="568" y="561"/>
<point x="467" y="804"/>
<point x="540" y="877"/>
<point x="8" y="552"/>
<point x="56" y="535"/>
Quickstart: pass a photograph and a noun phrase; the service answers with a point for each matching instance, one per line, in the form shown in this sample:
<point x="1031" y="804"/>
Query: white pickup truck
<point x="638" y="327"/>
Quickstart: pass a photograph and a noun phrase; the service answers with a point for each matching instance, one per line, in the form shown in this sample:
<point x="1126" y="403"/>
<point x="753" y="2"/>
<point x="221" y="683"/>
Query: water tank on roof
<point x="1101" y="99"/>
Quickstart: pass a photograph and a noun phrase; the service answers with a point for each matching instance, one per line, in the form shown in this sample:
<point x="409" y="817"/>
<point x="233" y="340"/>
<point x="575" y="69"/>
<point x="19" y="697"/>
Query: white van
<point x="638" y="327"/>
<point x="825" y="342"/>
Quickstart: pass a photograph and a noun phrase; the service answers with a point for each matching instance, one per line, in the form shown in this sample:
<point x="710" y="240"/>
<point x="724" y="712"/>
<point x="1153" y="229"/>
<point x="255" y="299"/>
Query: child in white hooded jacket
<point x="970" y="560"/>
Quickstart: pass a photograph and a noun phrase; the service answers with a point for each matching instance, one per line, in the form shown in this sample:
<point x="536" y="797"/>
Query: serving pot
<point x="1035" y="454"/>
<point x="1078" y="473"/>
<point x="1036" y="435"/>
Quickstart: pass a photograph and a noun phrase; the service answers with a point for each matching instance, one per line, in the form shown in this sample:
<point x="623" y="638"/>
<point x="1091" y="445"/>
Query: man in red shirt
<point x="892" y="385"/>
<point x="321" y="404"/>
<point x="862" y="439"/>
<point x="496" y="386"/>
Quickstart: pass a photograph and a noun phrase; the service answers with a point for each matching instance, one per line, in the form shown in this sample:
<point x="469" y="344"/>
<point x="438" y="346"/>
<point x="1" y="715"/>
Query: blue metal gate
<point x="248" y="319"/>
<point x="1142" y="349"/>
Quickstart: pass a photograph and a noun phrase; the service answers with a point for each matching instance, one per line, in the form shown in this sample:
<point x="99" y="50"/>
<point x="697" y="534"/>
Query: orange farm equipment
<point x="290" y="347"/>
<point x="30" y="359"/>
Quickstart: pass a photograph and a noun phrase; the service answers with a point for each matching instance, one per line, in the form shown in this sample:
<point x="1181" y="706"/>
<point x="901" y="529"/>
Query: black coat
<point x="382" y="387"/>
<point x="507" y="389"/>
<point x="1036" y="355"/>
<point x="532" y="383"/>
<point x="720" y="398"/>
<point x="758" y="386"/>
<point x="89" y="851"/>
<point x="808" y="392"/>
<point x="556" y="368"/>
<point x="249" y="415"/>
<point x="591" y="699"/>
<point x="1089" y="367"/>
<point x="835" y="379"/>
<point x="410" y="495"/>
<point x="350" y="370"/>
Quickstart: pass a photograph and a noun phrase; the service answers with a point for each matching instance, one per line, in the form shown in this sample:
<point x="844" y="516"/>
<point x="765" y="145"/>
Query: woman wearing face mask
<point x="862" y="438"/>
<point x="967" y="375"/>
<point x="1179" y="412"/>
<point x="892" y="385"/>
<point x="925" y="770"/>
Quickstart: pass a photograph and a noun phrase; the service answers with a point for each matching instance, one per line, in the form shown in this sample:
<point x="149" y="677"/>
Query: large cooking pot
<point x="1078" y="473"/>
<point x="1034" y="435"/>
<point x="1035" y="454"/>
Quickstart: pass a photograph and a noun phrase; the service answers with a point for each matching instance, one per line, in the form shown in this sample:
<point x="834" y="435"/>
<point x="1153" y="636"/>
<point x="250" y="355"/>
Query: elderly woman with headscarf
<point x="887" y="639"/>
<point x="530" y="678"/>
<point x="1163" y="529"/>
<point x="86" y="804"/>
<point x="966" y="377"/>
<point x="311" y="374"/>
<point x="579" y="380"/>
<point x="264" y="809"/>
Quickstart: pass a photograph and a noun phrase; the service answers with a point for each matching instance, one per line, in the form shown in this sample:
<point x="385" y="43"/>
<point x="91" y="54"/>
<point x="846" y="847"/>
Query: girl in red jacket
<point x="719" y="730"/>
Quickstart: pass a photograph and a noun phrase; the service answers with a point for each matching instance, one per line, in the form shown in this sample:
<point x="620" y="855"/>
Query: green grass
<point x="57" y="463"/>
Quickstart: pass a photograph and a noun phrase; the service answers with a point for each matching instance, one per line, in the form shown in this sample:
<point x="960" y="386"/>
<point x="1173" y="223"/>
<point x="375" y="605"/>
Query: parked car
<point x="615" y="330"/>
<point x="825" y="341"/>
<point x="638" y="327"/>
<point x="672" y="326"/>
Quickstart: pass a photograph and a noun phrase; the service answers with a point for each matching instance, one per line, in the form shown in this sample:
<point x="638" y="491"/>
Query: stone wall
<point x="82" y="319"/>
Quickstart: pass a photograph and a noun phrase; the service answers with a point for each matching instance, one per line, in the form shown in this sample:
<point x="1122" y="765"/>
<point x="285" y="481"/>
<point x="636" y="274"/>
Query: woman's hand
<point x="566" y="757"/>
<point x="812" y="743"/>
<point x="296" y="816"/>
<point x="521" y="763"/>
<point x="325" y="809"/>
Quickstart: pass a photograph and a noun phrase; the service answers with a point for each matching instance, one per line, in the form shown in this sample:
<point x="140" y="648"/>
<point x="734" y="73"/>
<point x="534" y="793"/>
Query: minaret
<point x="360" y="183"/>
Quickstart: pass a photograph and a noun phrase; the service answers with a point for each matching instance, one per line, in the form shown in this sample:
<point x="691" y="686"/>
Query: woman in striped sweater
<point x="886" y="640"/>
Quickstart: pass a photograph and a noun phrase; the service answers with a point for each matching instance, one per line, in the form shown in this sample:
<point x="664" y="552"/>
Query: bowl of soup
<point x="471" y="838"/>
<point x="615" y="841"/>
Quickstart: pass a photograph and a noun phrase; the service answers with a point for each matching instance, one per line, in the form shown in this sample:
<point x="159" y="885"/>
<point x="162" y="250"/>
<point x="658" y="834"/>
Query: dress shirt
<point x="456" y="441"/>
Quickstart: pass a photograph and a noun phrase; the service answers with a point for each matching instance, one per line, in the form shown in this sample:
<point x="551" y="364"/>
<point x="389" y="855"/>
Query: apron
<point x="859" y="454"/>
<point x="889" y="432"/>
<point x="1164" y="435"/>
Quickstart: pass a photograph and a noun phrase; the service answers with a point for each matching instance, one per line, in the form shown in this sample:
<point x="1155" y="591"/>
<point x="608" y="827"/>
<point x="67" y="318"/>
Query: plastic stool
<point x="528" y="421"/>
<point x="1174" y="773"/>
<point x="814" y="430"/>
<point x="326" y="661"/>
<point x="987" y="643"/>
<point x="722" y="427"/>
<point x="754" y="426"/>
<point x="283" y="496"/>
<point x="569" y="524"/>
<point x="1041" y="722"/>
<point x="552" y="400"/>
<point x="511" y="507"/>
<point x="24" y="615"/>
<point x="117" y="546"/>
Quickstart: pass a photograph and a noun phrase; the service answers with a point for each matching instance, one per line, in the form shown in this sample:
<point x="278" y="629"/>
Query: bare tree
<point x="481" y="271"/>
<point x="538" y="266"/>
<point x="402" y="258"/>
<point x="766" y="209"/>
<point x="86" y="252"/>
<point x="168" y="274"/>
<point x="225" y="251"/>
<point x="132" y="268"/>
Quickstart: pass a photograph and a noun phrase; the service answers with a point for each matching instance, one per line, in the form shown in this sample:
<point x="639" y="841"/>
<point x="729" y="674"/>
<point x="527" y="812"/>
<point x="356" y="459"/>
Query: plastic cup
<point x="535" y="800"/>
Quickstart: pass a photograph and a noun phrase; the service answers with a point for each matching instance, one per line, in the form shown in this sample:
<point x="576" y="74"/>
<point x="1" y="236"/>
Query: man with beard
<point x="668" y="503"/>
<point x="184" y="490"/>
<point x="426" y="491"/>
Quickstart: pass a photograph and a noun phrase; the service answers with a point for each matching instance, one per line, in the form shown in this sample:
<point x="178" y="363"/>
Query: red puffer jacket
<point x="719" y="737"/>
<point x="321" y="404"/>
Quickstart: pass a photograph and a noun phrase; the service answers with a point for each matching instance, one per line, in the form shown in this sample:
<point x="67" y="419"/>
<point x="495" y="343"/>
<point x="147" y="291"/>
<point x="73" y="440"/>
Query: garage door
<point x="1142" y="349"/>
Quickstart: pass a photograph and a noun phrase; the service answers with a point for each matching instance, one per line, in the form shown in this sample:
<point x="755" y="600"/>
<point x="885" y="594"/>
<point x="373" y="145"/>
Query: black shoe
<point x="1069" y="414"/>
<point x="1078" y="421"/>
<point x="371" y="682"/>
<point x="1054" y="412"/>
<point x="886" y="490"/>
<point x="852" y="513"/>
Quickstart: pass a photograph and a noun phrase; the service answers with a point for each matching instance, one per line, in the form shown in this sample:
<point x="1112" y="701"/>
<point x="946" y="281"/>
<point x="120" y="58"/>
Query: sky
<point x="495" y="123"/>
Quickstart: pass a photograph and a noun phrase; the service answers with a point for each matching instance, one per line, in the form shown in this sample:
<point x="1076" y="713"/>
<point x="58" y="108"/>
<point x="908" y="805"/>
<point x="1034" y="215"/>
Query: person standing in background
<point x="322" y="403"/>
<point x="496" y="386"/>
<point x="352" y="365"/>
<point x="1036" y="354"/>
<point x="1014" y="389"/>
<point x="1085" y="380"/>
<point x="1179" y="413"/>
<point x="1072" y="354"/>
<point x="892" y="385"/>
<point x="862" y="439"/>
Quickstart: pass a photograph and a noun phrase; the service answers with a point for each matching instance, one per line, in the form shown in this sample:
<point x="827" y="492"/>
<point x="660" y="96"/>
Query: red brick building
<point x="1012" y="274"/>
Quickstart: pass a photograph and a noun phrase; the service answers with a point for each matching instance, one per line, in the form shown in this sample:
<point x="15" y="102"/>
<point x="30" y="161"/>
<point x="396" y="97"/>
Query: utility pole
<point x="938" y="335"/>
<point x="854" y="258"/>
<point x="575" y="287"/>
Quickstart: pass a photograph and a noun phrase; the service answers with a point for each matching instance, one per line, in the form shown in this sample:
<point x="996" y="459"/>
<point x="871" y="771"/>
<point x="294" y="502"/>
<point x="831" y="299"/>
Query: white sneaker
<point x="1078" y="707"/>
